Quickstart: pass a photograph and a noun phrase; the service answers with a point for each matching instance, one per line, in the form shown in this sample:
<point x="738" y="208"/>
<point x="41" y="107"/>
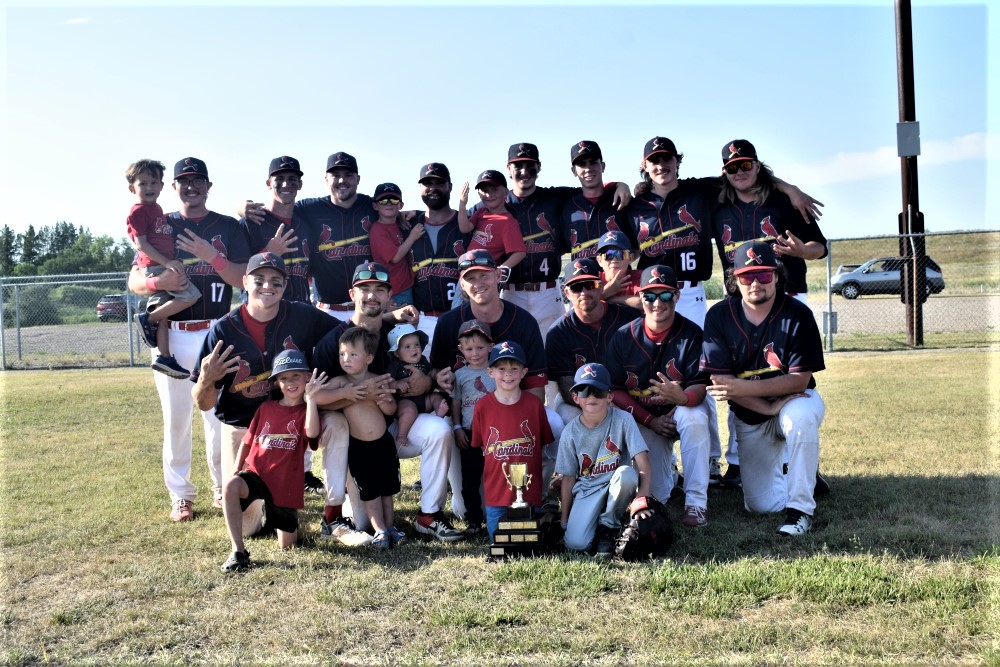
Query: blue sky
<point x="89" y="88"/>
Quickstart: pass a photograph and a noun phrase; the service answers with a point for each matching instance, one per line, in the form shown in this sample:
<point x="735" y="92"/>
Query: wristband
<point x="456" y="427"/>
<point x="151" y="283"/>
<point x="219" y="262"/>
<point x="690" y="396"/>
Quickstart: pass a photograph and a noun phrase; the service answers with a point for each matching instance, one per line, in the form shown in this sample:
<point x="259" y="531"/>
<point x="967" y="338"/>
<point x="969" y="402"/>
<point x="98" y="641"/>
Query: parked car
<point x="881" y="276"/>
<point x="114" y="307"/>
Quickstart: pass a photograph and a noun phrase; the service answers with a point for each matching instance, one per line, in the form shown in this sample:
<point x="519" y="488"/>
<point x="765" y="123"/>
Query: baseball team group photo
<point x="596" y="399"/>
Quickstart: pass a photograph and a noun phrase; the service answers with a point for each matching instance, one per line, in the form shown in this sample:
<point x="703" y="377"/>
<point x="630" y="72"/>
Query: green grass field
<point x="903" y="566"/>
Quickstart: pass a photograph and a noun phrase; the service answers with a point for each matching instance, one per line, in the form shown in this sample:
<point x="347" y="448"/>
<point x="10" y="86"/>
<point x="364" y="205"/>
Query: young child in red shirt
<point x="389" y="244"/>
<point x="621" y="281"/>
<point x="493" y="228"/>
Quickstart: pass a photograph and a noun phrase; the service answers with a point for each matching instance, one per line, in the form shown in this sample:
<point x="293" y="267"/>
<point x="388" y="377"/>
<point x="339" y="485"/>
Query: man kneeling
<point x="603" y="461"/>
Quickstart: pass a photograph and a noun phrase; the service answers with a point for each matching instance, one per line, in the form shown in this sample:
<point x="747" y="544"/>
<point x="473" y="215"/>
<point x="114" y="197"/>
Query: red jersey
<point x="385" y="241"/>
<point x="277" y="441"/>
<point x="497" y="233"/>
<point x="148" y="220"/>
<point x="511" y="434"/>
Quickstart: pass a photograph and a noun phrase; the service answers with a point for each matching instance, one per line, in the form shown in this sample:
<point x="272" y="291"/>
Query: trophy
<point x="518" y="479"/>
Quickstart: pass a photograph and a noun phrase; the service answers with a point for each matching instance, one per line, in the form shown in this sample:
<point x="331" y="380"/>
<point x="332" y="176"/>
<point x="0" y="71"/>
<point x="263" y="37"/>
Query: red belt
<point x="190" y="325"/>
<point x="434" y="313"/>
<point x="336" y="306"/>
<point x="531" y="287"/>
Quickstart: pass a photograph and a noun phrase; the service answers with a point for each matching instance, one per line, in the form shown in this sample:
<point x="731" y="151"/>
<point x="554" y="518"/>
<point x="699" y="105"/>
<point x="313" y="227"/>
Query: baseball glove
<point x="645" y="537"/>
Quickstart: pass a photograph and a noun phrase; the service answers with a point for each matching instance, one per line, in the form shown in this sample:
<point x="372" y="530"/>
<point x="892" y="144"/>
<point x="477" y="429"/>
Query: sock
<point x="331" y="513"/>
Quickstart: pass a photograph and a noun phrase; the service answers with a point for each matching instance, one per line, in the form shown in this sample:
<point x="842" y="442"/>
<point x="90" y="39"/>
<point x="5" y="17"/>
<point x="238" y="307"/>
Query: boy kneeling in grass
<point x="269" y="462"/>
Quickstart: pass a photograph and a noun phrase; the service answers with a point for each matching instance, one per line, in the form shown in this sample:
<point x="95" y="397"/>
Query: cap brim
<point x="596" y="385"/>
<point x="667" y="288"/>
<point x="738" y="159"/>
<point x="278" y="171"/>
<point x="490" y="183"/>
<point x="189" y="173"/>
<point x="371" y="280"/>
<point x="662" y="152"/>
<point x="580" y="279"/>
<point x="288" y="370"/>
<point x="477" y="267"/>
<point x="755" y="267"/>
<point x="266" y="266"/>
<point x="522" y="159"/>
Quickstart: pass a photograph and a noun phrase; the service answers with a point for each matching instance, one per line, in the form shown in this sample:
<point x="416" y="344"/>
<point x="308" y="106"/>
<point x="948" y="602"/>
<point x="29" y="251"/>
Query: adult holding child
<point x="214" y="251"/>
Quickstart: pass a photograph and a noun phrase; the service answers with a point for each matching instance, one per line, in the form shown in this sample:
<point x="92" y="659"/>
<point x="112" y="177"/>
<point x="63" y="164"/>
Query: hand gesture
<point x="218" y="364"/>
<point x="316" y="382"/>
<point x="622" y="196"/>
<point x="804" y="204"/>
<point x="282" y="242"/>
<point x="253" y="212"/>
<point x="191" y="243"/>
<point x="446" y="379"/>
<point x="463" y="196"/>
<point x="617" y="283"/>
<point x="407" y="314"/>
<point x="668" y="390"/>
<point x="416" y="231"/>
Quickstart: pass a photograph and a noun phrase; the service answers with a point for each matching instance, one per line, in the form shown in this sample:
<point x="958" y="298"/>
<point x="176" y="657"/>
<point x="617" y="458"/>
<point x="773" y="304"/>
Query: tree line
<point x="61" y="249"/>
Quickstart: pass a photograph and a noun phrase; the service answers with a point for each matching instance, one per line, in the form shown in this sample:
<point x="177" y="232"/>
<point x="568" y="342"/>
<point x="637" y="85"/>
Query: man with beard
<point x="581" y="335"/>
<point x="234" y="363"/>
<point x="762" y="348"/>
<point x="339" y="227"/>
<point x="214" y="250"/>
<point x="436" y="253"/>
<point x="430" y="437"/>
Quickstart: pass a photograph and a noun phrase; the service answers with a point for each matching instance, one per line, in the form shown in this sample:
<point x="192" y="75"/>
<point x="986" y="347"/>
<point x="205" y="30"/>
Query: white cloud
<point x="78" y="21"/>
<point x="883" y="161"/>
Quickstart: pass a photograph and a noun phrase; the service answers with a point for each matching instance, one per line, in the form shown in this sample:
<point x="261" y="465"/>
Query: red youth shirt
<point x="277" y="441"/>
<point x="148" y="220"/>
<point x="497" y="233"/>
<point x="385" y="241"/>
<point x="511" y="434"/>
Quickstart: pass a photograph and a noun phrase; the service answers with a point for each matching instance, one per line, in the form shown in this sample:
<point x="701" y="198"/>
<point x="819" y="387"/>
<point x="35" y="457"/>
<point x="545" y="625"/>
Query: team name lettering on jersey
<point x="512" y="448"/>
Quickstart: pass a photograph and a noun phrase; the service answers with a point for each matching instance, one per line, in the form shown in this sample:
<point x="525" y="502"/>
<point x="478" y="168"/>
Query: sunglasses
<point x="478" y="261"/>
<point x="191" y="182"/>
<point x="651" y="297"/>
<point x="576" y="288"/>
<point x="763" y="277"/>
<point x="589" y="391"/>
<point x="746" y="165"/>
<point x="371" y="275"/>
<point x="388" y="201"/>
<point x="613" y="255"/>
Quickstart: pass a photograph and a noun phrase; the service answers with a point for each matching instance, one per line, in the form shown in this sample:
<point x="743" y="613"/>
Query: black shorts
<point x="279" y="518"/>
<point x="374" y="466"/>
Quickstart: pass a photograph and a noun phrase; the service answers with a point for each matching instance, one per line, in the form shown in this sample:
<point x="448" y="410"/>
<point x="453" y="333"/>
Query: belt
<point x="531" y="287"/>
<point x="434" y="313"/>
<point x="190" y="325"/>
<point x="683" y="284"/>
<point x="336" y="306"/>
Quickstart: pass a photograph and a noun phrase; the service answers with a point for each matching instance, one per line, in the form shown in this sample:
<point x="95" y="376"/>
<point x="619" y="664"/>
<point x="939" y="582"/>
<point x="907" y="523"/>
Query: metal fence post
<point x="3" y="329"/>
<point x="829" y="297"/>
<point x="17" y="318"/>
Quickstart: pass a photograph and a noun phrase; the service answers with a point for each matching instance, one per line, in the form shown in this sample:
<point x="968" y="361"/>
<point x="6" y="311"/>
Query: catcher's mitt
<point x="647" y="537"/>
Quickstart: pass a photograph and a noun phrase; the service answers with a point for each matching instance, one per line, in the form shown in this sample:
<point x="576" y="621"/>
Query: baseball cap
<point x="342" y="160"/>
<point x="491" y="176"/>
<point x="284" y="163"/>
<point x="476" y="260"/>
<point x="507" y="350"/>
<point x="383" y="189"/>
<point x="266" y="260"/>
<point x="288" y="360"/>
<point x="614" y="239"/>
<point x="585" y="268"/>
<point x="658" y="145"/>
<point x="737" y="150"/>
<point x="585" y="149"/>
<point x="434" y="170"/>
<point x="754" y="255"/>
<point x="190" y="166"/>
<point x="522" y="152"/>
<point x="370" y="272"/>
<point x="658" y="275"/>
<point x="592" y="375"/>
<point x="397" y="332"/>
<point x="475" y="326"/>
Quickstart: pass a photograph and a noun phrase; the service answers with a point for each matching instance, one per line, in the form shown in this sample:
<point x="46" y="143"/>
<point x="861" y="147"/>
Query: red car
<point x="114" y="307"/>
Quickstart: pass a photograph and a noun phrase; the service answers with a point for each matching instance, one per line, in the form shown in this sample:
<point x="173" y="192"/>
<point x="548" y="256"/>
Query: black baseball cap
<point x="658" y="275"/>
<point x="284" y="163"/>
<point x="592" y="375"/>
<point x="266" y="260"/>
<point x="614" y="239"/>
<point x="383" y="189"/>
<point x="434" y="170"/>
<point x="342" y="160"/>
<point x="507" y="350"/>
<point x="754" y="255"/>
<point x="288" y="360"/>
<point x="585" y="149"/>
<point x="658" y="145"/>
<point x="492" y="177"/>
<point x="584" y="268"/>
<point x="476" y="260"/>
<point x="523" y="152"/>
<point x="738" y="150"/>
<point x="475" y="326"/>
<point x="190" y="166"/>
<point x="370" y="272"/>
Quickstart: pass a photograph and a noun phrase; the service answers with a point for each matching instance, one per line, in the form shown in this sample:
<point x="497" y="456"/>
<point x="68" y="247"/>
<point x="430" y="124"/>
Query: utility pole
<point x="912" y="245"/>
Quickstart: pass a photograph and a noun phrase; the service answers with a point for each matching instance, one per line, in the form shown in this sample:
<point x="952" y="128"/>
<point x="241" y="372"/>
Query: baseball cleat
<point x="796" y="523"/>
<point x="169" y="366"/>
<point x="437" y="525"/>
<point x="342" y="530"/>
<point x="147" y="329"/>
<point x="694" y="517"/>
<point x="183" y="510"/>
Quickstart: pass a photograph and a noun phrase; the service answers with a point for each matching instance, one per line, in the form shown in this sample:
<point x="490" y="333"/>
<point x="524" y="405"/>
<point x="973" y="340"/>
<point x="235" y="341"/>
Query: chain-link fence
<point x="84" y="320"/>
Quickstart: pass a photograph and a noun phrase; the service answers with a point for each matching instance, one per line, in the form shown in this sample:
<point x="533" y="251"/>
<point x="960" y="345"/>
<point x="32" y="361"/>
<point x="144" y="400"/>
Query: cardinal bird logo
<point x="610" y="445"/>
<point x="611" y="224"/>
<point x="366" y="224"/>
<point x="772" y="358"/>
<point x="579" y="360"/>
<point x="289" y="344"/>
<point x="543" y="223"/>
<point x="752" y="258"/>
<point x="506" y="348"/>
<point x="672" y="373"/>
<point x="586" y="463"/>
<point x="480" y="387"/>
<point x="768" y="228"/>
<point x="733" y="151"/>
<point x="572" y="238"/>
<point x="459" y="248"/>
<point x="643" y="231"/>
<point x="218" y="244"/>
<point x="688" y="219"/>
<point x="727" y="234"/>
<point x="631" y="381"/>
<point x="588" y="372"/>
